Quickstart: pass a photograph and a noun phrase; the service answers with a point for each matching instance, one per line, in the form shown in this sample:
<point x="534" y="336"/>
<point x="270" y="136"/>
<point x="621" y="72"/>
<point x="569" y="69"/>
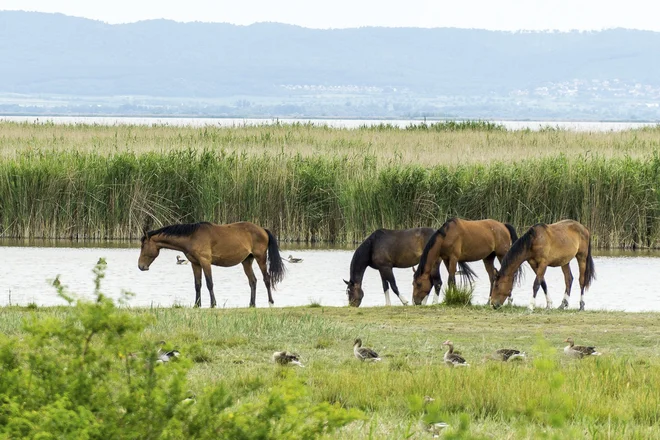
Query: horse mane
<point x="362" y="255"/>
<point x="179" y="230"/>
<point x="520" y="246"/>
<point x="429" y="244"/>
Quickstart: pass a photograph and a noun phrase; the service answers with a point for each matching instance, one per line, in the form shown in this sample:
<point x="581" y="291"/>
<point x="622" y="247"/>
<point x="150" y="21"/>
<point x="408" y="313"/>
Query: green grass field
<point x="546" y="396"/>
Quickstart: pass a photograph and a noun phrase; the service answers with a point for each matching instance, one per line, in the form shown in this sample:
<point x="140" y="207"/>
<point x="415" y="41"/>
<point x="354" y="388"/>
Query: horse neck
<point x="359" y="265"/>
<point x="433" y="254"/>
<point x="170" y="242"/>
<point x="516" y="262"/>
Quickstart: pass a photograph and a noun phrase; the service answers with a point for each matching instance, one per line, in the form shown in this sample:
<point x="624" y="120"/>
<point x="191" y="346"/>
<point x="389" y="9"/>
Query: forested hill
<point x="52" y="53"/>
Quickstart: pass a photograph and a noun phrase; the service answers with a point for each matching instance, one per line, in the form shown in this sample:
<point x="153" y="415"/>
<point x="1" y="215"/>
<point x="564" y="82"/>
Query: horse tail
<point x="512" y="232"/>
<point x="466" y="272"/>
<point x="589" y="270"/>
<point x="276" y="267"/>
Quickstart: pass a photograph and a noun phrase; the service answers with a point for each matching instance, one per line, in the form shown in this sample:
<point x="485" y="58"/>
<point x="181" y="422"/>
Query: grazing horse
<point x="547" y="245"/>
<point x="383" y="250"/>
<point x="459" y="241"/>
<point x="205" y="244"/>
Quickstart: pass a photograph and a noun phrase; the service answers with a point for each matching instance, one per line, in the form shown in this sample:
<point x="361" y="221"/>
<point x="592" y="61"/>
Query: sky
<point x="509" y="15"/>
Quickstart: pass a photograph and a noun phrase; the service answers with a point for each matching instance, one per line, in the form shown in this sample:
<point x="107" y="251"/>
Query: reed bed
<point x="310" y="183"/>
<point x="449" y="143"/>
<point x="336" y="198"/>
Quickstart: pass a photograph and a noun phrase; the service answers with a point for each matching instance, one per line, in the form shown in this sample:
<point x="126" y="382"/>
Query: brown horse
<point x="542" y="246"/>
<point x="459" y="241"/>
<point x="205" y="244"/>
<point x="383" y="250"/>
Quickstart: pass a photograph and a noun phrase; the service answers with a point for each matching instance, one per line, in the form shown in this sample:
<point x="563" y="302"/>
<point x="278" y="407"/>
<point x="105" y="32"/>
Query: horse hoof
<point x="531" y="307"/>
<point x="581" y="305"/>
<point x="271" y="304"/>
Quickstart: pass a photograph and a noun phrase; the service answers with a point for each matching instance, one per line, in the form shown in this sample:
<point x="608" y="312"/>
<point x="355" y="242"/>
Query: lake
<point x="343" y="123"/>
<point x="625" y="281"/>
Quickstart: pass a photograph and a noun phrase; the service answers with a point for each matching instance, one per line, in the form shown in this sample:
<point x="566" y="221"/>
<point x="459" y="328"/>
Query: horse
<point x="459" y="241"/>
<point x="383" y="250"/>
<point x="206" y="243"/>
<point x="546" y="245"/>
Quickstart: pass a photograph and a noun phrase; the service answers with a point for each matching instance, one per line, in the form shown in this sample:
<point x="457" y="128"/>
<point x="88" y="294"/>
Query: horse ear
<point x="347" y="283"/>
<point x="413" y="269"/>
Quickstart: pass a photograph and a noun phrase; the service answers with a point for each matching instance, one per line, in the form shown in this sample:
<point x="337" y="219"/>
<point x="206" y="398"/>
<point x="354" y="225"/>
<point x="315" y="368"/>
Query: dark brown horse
<point x="383" y="250"/>
<point x="542" y="246"/>
<point x="459" y="241"/>
<point x="205" y="244"/>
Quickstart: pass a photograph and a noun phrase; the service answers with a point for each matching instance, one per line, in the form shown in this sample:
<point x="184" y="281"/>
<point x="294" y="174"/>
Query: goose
<point x="165" y="356"/>
<point x="508" y="354"/>
<point x="436" y="428"/>
<point x="190" y="399"/>
<point x="364" y="353"/>
<point x="292" y="259"/>
<point x="286" y="358"/>
<point x="452" y="359"/>
<point x="180" y="260"/>
<point x="579" y="351"/>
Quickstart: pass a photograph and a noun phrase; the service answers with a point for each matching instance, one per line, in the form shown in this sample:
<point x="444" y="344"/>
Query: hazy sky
<point x="484" y="14"/>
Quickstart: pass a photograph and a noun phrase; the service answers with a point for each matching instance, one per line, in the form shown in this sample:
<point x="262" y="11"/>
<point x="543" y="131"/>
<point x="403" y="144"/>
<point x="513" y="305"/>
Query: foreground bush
<point x="88" y="375"/>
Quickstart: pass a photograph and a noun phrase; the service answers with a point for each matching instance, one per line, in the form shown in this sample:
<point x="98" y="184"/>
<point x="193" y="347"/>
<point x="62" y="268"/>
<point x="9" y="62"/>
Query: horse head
<point x="148" y="252"/>
<point x="354" y="292"/>
<point x="421" y="287"/>
<point x="501" y="290"/>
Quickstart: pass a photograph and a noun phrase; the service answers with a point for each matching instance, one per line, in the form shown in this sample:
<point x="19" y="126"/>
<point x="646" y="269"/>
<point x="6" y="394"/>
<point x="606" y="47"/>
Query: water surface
<point x="625" y="280"/>
<point x="339" y="123"/>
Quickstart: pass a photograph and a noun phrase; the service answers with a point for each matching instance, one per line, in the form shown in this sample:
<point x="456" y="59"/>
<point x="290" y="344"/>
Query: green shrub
<point x="87" y="374"/>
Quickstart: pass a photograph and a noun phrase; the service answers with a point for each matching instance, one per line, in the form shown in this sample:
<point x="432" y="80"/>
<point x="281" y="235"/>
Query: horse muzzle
<point x="143" y="267"/>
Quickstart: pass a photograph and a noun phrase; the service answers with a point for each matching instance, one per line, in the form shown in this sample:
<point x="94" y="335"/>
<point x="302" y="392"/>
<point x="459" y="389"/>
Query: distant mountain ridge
<point x="57" y="54"/>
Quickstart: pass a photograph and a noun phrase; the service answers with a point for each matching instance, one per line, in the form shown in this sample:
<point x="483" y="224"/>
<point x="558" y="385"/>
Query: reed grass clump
<point x="338" y="198"/>
<point x="456" y="295"/>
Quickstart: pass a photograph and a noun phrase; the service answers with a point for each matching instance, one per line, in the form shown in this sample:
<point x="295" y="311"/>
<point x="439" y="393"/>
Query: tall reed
<point x="332" y="198"/>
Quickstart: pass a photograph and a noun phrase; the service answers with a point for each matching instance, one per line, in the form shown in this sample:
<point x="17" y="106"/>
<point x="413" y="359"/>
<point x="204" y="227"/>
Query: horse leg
<point x="568" y="279"/>
<point x="395" y="288"/>
<point x="197" y="274"/>
<point x="437" y="285"/>
<point x="451" y="268"/>
<point x="264" y="271"/>
<point x="252" y="279"/>
<point x="582" y="264"/>
<point x="539" y="281"/>
<point x="490" y="269"/>
<point x="209" y="282"/>
<point x="387" y="276"/>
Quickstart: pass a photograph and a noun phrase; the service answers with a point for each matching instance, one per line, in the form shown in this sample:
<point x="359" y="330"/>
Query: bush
<point x="88" y="375"/>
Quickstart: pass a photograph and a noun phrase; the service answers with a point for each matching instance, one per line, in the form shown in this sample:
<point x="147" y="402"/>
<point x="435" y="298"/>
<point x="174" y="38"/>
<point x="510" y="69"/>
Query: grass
<point x="546" y="396"/>
<point x="458" y="295"/>
<point x="311" y="184"/>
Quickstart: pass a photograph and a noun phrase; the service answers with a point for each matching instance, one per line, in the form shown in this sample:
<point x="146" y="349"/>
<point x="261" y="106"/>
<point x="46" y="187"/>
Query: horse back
<point x="244" y="237"/>
<point x="399" y="248"/>
<point x="475" y="239"/>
